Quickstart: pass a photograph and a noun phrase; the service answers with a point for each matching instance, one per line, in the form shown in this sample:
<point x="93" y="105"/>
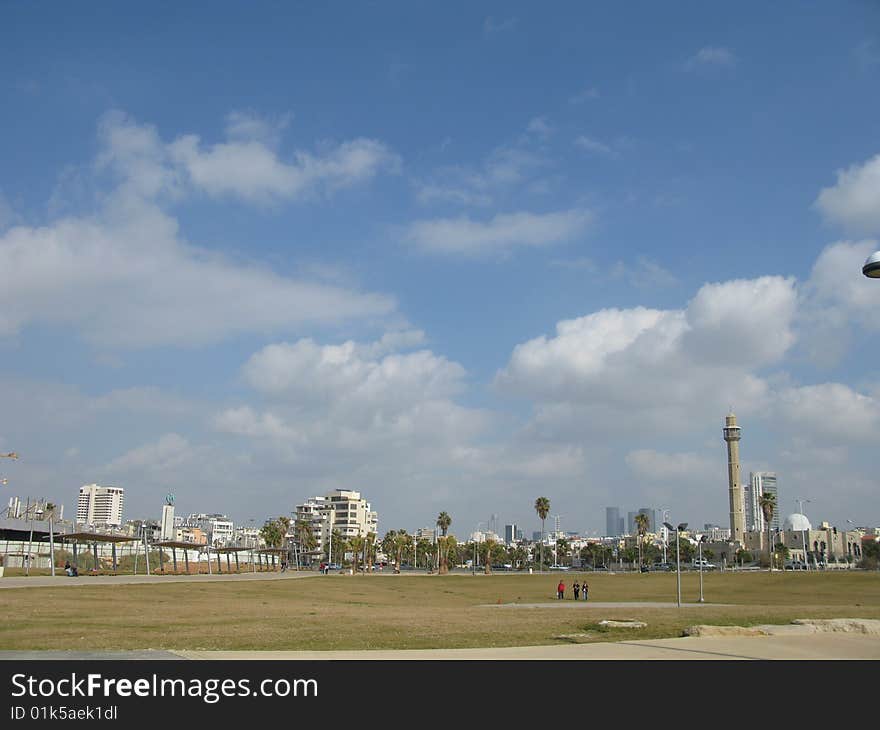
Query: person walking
<point x="577" y="589"/>
<point x="560" y="590"/>
<point x="585" y="588"/>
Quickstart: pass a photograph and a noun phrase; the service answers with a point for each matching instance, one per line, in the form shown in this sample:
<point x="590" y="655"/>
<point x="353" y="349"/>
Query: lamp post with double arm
<point x="681" y="526"/>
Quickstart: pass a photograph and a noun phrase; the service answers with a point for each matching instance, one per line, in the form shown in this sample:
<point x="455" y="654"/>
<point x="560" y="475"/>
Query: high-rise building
<point x="732" y="435"/>
<point x="760" y="483"/>
<point x="99" y="505"/>
<point x="510" y="534"/>
<point x="612" y="521"/>
<point x="649" y="512"/>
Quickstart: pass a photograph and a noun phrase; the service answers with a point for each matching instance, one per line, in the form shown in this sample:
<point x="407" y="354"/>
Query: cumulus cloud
<point x="251" y="170"/>
<point x="616" y="367"/>
<point x="501" y="233"/>
<point x="125" y="276"/>
<point x="247" y="165"/>
<point x="854" y="201"/>
<point x="837" y="299"/>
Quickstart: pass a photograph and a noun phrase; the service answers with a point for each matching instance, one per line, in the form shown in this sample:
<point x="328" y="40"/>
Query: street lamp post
<point x="702" y="540"/>
<point x="474" y="563"/>
<point x="681" y="526"/>
<point x="800" y="502"/>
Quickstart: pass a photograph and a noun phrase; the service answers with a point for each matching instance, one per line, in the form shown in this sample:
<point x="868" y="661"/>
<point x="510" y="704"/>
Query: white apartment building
<point x="99" y="505"/>
<point x="219" y="528"/>
<point x="343" y="511"/>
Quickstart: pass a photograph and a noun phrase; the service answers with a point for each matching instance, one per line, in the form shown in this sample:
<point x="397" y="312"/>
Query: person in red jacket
<point x="560" y="590"/>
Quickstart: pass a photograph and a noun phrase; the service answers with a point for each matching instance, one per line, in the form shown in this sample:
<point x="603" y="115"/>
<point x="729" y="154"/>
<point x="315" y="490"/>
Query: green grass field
<point x="409" y="612"/>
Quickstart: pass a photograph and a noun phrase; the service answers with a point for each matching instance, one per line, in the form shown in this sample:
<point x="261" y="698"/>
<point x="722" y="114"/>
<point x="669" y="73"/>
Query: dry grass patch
<point x="410" y="612"/>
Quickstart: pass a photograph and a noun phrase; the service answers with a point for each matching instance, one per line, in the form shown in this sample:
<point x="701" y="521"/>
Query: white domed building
<point x="797" y="522"/>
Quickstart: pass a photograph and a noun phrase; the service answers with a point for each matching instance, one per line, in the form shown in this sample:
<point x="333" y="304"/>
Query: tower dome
<point x="797" y="522"/>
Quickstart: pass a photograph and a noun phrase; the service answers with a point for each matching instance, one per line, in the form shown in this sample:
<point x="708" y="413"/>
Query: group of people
<point x="577" y="589"/>
<point x="70" y="570"/>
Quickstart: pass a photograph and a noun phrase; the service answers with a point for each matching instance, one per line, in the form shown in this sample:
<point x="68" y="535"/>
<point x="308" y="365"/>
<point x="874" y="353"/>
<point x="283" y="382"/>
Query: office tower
<point x="510" y="534"/>
<point x="760" y="483"/>
<point x="732" y="435"/>
<point x="612" y="521"/>
<point x="99" y="505"/>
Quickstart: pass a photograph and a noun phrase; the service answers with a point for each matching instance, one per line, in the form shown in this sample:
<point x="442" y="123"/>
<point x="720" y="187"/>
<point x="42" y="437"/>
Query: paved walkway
<point x="62" y="581"/>
<point x="792" y="645"/>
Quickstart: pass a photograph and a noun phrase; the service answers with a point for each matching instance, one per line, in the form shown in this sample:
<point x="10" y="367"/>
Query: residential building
<point x="99" y="505"/>
<point x="218" y="528"/>
<point x="760" y="483"/>
<point x="343" y="511"/>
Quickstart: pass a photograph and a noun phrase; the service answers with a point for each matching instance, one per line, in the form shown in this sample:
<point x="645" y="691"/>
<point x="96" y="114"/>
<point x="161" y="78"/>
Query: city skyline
<point x="452" y="258"/>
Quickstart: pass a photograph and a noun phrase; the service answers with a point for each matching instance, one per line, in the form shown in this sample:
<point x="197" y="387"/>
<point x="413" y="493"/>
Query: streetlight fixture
<point x="800" y="502"/>
<point x="681" y="526"/>
<point x="871" y="269"/>
<point x="474" y="562"/>
<point x="702" y="540"/>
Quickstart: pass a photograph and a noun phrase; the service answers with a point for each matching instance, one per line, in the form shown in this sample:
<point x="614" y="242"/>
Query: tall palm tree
<point x="488" y="547"/>
<point x="355" y="544"/>
<point x="542" y="507"/>
<point x="443" y="522"/>
<point x="641" y="522"/>
<point x="767" y="503"/>
<point x="369" y="549"/>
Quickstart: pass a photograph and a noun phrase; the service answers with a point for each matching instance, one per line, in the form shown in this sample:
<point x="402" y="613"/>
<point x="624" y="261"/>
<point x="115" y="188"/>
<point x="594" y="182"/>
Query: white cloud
<point x="251" y="170"/>
<point x="673" y="467"/>
<point x="644" y="273"/>
<point x="304" y="372"/>
<point x="503" y="169"/>
<point x="589" y="144"/>
<point x="831" y="413"/>
<point x="126" y="279"/>
<point x="169" y="452"/>
<point x="540" y="126"/>
<point x="854" y="201"/>
<point x="124" y="276"/>
<point x="246" y="166"/>
<point x="618" y="369"/>
<point x="711" y="56"/>
<point x="837" y="300"/>
<point x="501" y="233"/>
<point x="248" y="125"/>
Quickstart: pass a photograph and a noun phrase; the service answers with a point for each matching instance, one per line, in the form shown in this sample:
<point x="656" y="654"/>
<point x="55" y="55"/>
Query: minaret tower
<point x="737" y="511"/>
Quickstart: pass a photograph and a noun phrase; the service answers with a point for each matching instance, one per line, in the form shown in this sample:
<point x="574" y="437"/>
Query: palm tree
<point x="443" y="522"/>
<point x="542" y="507"/>
<point x="641" y="522"/>
<point x="488" y="547"/>
<point x="767" y="503"/>
<point x="369" y="549"/>
<point x="49" y="514"/>
<point x="355" y="544"/>
<point x="562" y="550"/>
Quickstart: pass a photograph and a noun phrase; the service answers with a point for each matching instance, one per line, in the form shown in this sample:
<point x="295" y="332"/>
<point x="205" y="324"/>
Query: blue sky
<point x="456" y="257"/>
